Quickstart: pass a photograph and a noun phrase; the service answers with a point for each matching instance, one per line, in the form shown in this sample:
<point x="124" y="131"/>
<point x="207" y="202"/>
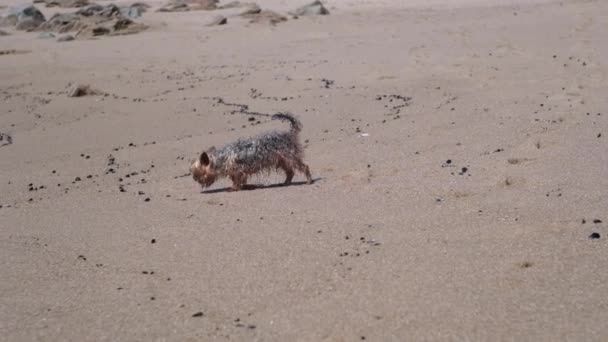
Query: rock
<point x="94" y="20"/>
<point x="5" y="139"/>
<point x="63" y="22"/>
<point x="46" y="35"/>
<point x="3" y="33"/>
<point x="27" y="24"/>
<point x="23" y="17"/>
<point x="174" y="6"/>
<point x="237" y="8"/>
<point x="80" y="90"/>
<point x="107" y="11"/>
<point x="65" y="38"/>
<point x="314" y="8"/>
<point x="65" y="3"/>
<point x="265" y="17"/>
<point x="189" y="5"/>
<point x="133" y="11"/>
<point x="250" y="9"/>
<point x="206" y="5"/>
<point x="235" y="4"/>
<point x="218" y="20"/>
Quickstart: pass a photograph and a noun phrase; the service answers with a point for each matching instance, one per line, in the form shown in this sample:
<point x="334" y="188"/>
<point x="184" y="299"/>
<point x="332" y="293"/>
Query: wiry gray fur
<point x="244" y="157"/>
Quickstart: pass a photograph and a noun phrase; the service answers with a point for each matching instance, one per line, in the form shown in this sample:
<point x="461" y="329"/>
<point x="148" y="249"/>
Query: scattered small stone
<point x="80" y="90"/>
<point x="147" y="199"/>
<point x="153" y="241"/>
<point x="596" y="221"/>
<point x="5" y="139"/>
<point x="594" y="236"/>
<point x="198" y="314"/>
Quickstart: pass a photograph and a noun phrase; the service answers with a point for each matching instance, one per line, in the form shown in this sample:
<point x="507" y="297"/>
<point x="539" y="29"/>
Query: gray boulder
<point x="218" y="20"/>
<point x="63" y="22"/>
<point x="134" y="11"/>
<point x="64" y="3"/>
<point x="46" y="35"/>
<point x="65" y="38"/>
<point x="314" y="8"/>
<point x="23" y="17"/>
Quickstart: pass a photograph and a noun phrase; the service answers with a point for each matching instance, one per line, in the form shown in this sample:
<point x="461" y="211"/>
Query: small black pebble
<point x="449" y="161"/>
<point x="597" y="221"/>
<point x="198" y="314"/>
<point x="147" y="199"/>
<point x="594" y="236"/>
<point x="584" y="221"/>
<point x="77" y="179"/>
<point x="153" y="241"/>
<point x="152" y="298"/>
<point x="464" y="170"/>
<point x="251" y="327"/>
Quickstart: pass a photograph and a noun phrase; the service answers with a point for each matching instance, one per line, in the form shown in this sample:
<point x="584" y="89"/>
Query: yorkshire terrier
<point x="245" y="157"/>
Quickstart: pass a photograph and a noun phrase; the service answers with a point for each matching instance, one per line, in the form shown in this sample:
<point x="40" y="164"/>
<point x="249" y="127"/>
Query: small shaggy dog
<point x="240" y="159"/>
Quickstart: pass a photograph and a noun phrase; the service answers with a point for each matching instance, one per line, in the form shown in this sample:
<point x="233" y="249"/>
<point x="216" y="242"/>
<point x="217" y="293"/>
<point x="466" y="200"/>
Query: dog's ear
<point x="204" y="159"/>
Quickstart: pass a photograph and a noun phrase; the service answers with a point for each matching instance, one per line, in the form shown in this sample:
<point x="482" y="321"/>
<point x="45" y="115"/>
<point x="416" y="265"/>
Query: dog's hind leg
<point x="288" y="172"/>
<point x="300" y="166"/>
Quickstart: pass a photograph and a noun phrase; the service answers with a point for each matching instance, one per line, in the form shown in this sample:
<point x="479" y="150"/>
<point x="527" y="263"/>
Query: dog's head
<point x="202" y="170"/>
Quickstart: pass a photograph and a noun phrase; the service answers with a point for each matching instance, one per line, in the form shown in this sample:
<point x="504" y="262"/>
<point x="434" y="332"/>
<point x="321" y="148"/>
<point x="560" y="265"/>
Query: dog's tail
<point x="296" y="125"/>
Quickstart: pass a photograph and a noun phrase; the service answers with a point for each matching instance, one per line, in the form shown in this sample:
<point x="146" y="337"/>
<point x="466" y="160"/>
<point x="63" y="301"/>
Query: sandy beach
<point x="459" y="151"/>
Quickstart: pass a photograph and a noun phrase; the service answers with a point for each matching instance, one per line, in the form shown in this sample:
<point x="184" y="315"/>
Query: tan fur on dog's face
<point x="202" y="171"/>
